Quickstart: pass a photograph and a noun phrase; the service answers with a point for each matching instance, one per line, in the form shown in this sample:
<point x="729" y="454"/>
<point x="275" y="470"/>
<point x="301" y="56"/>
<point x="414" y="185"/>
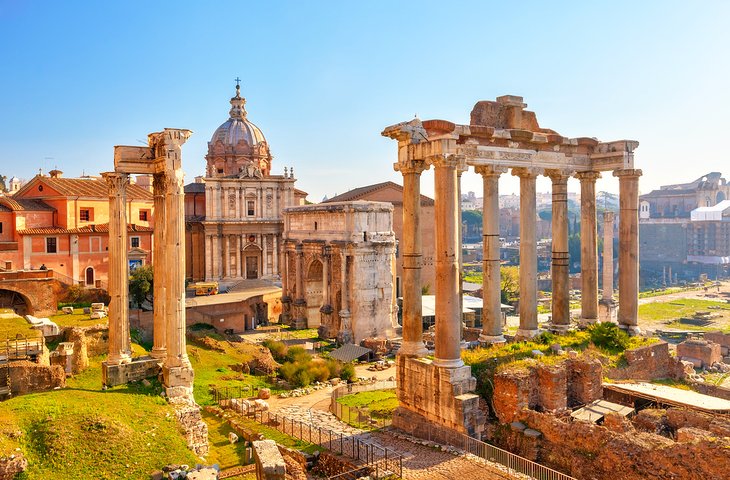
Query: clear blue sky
<point x="322" y="79"/>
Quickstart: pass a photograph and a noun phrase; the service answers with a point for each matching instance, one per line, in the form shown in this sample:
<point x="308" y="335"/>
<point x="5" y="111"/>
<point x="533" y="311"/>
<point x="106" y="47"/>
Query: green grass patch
<point x="10" y="327"/>
<point x="222" y="452"/>
<point x="681" y="308"/>
<point x="378" y="403"/>
<point x="83" y="432"/>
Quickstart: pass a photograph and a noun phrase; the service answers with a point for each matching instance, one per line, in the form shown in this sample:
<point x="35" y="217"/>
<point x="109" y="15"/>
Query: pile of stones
<point x="300" y="392"/>
<point x="380" y="366"/>
<point x="180" y="472"/>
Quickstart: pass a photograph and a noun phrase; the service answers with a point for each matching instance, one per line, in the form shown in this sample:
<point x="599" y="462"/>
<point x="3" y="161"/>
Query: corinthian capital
<point x="490" y="170"/>
<point x="526" y="172"/>
<point x="117" y="182"/>
<point x="441" y="161"/>
<point x="589" y="176"/>
<point x="557" y="176"/>
<point x="159" y="184"/>
<point x="411" y="167"/>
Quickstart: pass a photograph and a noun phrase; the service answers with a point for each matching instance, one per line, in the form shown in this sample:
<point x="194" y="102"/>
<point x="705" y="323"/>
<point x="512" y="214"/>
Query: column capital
<point x="441" y="160"/>
<point x="627" y="172"/>
<point x="117" y="182"/>
<point x="159" y="184"/>
<point x="526" y="172"/>
<point x="490" y="170"/>
<point x="174" y="181"/>
<point x="411" y="167"/>
<point x="558" y="176"/>
<point x="588" y="176"/>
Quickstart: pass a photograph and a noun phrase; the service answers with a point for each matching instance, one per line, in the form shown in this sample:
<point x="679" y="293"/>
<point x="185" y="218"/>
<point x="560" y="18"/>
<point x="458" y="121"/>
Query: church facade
<point x="234" y="216"/>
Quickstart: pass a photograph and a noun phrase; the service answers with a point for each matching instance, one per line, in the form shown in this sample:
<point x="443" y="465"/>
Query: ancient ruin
<point x="338" y="273"/>
<point x="502" y="136"/>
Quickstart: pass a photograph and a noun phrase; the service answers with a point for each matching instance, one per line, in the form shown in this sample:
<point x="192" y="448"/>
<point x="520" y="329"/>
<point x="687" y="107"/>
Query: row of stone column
<point x="168" y="270"/>
<point x="219" y="247"/>
<point x="447" y="212"/>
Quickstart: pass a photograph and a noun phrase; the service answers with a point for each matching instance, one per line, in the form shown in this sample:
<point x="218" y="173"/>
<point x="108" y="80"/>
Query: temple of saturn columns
<point x="162" y="159"/>
<point x="501" y="136"/>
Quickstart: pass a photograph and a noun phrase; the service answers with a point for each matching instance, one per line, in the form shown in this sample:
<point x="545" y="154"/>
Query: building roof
<point x="705" y="182"/>
<point x="361" y="192"/>
<point x="95" y="228"/>
<point x="25" y="204"/>
<point x="83" y="187"/>
<point x="673" y="396"/>
<point x="238" y="128"/>
<point x="710" y="213"/>
<point x="349" y="352"/>
<point x="195" y="187"/>
<point x="596" y="410"/>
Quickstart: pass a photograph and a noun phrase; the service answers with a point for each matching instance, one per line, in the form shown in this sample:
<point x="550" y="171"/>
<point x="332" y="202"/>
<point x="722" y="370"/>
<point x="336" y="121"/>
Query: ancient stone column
<point x="120" y="350"/>
<point x="411" y="249"/>
<point x="345" y="335"/>
<point x="588" y="247"/>
<point x="628" y="255"/>
<point x="528" y="252"/>
<point x="239" y="266"/>
<point x="560" y="266"/>
<point x="177" y="370"/>
<point x="208" y="257"/>
<point x="608" y="218"/>
<point x="226" y="256"/>
<point x="491" y="287"/>
<point x="300" y="302"/>
<point x="159" y="340"/>
<point x="326" y="309"/>
<point x="448" y="311"/>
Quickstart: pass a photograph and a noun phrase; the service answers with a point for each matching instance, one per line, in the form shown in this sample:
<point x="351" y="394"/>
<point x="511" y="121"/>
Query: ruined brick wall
<point x="513" y="391"/>
<point x="593" y="452"/>
<point x="722" y="339"/>
<point x="27" y="377"/>
<point x="648" y="363"/>
<point x="585" y="381"/>
<point x="552" y="386"/>
<point x="194" y="428"/>
<point x="329" y="465"/>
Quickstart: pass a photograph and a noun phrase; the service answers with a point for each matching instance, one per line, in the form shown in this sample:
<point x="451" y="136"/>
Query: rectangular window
<point x="134" y="241"/>
<point x="50" y="244"/>
<point x="95" y="244"/>
<point x="144" y="215"/>
<point x="85" y="215"/>
<point x="250" y="210"/>
<point x="1" y="227"/>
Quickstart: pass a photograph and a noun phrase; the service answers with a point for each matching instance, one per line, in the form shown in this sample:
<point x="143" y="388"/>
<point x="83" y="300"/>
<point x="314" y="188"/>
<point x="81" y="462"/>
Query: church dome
<point x="238" y="127"/>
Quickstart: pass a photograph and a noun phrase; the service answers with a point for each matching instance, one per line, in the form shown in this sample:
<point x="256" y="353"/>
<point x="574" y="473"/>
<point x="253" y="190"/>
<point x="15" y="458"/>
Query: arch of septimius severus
<point x="502" y="136"/>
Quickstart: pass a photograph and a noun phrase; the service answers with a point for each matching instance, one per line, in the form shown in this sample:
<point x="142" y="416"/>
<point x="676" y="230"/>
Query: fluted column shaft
<point x="491" y="286"/>
<point x="411" y="251"/>
<point x="448" y="311"/>
<point x="326" y="276"/>
<point x="588" y="247"/>
<point x="119" y="342"/>
<point x="226" y="256"/>
<point x="560" y="256"/>
<point x="174" y="269"/>
<point x="628" y="255"/>
<point x="159" y="288"/>
<point x="300" y="272"/>
<point x="528" y="252"/>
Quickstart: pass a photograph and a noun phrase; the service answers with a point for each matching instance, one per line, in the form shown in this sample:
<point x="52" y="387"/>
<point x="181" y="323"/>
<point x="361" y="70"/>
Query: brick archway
<point x="19" y="303"/>
<point x="38" y="290"/>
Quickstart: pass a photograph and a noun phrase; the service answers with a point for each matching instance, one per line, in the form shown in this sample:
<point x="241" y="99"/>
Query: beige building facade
<point x="339" y="267"/>
<point x="234" y="213"/>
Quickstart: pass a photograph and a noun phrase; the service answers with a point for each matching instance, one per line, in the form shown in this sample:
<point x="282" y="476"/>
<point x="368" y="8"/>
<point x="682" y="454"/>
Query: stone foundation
<point x="722" y="339"/>
<point x="88" y="342"/>
<point x="178" y="383"/>
<point x="195" y="429"/>
<point x="701" y="353"/>
<point x="137" y="369"/>
<point x="270" y="463"/>
<point x="434" y="395"/>
<point x="28" y="377"/>
<point x="648" y="363"/>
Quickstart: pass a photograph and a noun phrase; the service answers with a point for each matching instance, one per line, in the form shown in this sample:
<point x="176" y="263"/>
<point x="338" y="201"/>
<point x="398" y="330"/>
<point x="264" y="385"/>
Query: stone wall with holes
<point x="648" y="363"/>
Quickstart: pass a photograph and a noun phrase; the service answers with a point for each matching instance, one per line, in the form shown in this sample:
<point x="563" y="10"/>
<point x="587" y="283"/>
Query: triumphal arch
<point x="161" y="159"/>
<point x="502" y="136"/>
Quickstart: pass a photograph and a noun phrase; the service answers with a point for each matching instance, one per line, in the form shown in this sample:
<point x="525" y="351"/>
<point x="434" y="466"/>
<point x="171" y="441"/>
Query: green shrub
<point x="200" y="327"/>
<point x="297" y="354"/>
<point x="607" y="335"/>
<point x="545" y="338"/>
<point x="348" y="372"/>
<point x="302" y="377"/>
<point x="278" y="349"/>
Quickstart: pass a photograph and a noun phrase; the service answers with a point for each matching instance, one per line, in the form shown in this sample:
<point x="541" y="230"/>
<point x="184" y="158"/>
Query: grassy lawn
<point x="77" y="319"/>
<point x="222" y="452"/>
<point x="379" y="403"/>
<point x="676" y="309"/>
<point x="9" y="327"/>
<point x="83" y="432"/>
<point x="213" y="367"/>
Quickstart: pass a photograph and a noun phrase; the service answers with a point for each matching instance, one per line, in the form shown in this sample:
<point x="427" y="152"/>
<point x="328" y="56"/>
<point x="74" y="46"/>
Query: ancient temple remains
<point x="338" y="269"/>
<point x="162" y="159"/>
<point x="502" y="136"/>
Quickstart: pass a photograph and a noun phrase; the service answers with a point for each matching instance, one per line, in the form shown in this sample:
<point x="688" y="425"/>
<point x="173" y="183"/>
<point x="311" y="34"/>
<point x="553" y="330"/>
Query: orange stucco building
<point x="63" y="225"/>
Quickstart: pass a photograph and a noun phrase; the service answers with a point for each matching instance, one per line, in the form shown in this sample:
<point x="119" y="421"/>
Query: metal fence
<point x="359" y="417"/>
<point x="493" y="454"/>
<point x="235" y="391"/>
<point x="373" y="456"/>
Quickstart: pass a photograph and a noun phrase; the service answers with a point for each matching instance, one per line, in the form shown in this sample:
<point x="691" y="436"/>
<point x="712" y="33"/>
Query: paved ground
<point x="419" y="461"/>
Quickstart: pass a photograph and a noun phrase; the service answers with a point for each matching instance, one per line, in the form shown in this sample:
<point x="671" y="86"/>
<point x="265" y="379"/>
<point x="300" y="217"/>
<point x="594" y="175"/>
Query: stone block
<point x="269" y="460"/>
<point x="705" y="351"/>
<point x="138" y="369"/>
<point x="528" y="432"/>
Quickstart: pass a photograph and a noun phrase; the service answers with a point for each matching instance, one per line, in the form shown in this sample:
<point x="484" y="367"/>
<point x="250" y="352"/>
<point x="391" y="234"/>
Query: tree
<point x="510" y="283"/>
<point x="140" y="285"/>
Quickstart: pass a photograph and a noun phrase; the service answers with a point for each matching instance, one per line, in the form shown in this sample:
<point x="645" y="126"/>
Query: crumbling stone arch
<point x="12" y="298"/>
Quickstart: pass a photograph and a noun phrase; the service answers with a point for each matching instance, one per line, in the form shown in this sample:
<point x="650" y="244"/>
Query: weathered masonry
<point x="502" y="136"/>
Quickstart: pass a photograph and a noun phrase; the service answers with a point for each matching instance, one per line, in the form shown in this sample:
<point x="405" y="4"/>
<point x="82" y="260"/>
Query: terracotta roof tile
<point x="25" y="204"/>
<point x="89" y="187"/>
<point x="96" y="228"/>
<point x="361" y="192"/>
